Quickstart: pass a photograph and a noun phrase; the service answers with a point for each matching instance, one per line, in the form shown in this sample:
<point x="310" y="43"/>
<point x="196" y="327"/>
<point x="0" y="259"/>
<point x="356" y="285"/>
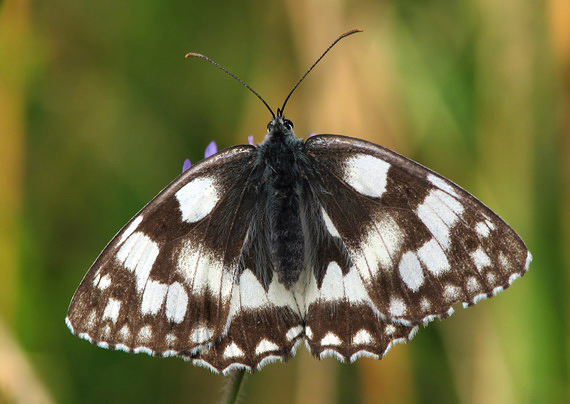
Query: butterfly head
<point x="280" y="127"/>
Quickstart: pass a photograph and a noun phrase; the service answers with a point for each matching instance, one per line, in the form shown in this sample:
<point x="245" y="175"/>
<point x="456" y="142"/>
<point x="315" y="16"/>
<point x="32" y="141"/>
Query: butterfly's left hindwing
<point x="164" y="284"/>
<point x="414" y="244"/>
<point x="257" y="335"/>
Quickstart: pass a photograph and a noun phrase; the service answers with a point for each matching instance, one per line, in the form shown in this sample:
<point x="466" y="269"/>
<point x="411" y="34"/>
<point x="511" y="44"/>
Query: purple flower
<point x="187" y="165"/>
<point x="211" y="149"/>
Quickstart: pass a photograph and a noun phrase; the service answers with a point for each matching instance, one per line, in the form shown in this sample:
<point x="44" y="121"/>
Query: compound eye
<point x="288" y="124"/>
<point x="269" y="126"/>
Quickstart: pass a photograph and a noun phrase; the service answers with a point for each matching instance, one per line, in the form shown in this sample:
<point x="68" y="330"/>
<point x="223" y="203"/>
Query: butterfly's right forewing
<point x="164" y="284"/>
<point x="415" y="242"/>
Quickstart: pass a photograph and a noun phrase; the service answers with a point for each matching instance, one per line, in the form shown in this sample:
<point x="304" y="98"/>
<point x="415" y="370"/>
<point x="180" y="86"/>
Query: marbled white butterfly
<point x="333" y="241"/>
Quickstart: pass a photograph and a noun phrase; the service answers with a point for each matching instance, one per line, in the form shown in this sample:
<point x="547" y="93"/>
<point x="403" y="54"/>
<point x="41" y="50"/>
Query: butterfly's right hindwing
<point x="164" y="284"/>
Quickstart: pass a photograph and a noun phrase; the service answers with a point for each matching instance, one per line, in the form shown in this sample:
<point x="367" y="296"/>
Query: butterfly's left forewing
<point x="412" y="242"/>
<point x="164" y="284"/>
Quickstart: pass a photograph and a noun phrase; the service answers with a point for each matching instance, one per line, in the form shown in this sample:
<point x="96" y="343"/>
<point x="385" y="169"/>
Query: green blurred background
<point x="98" y="110"/>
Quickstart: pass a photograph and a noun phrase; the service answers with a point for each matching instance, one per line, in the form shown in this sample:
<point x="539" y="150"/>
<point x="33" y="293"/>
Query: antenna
<point x="352" y="31"/>
<point x="219" y="66"/>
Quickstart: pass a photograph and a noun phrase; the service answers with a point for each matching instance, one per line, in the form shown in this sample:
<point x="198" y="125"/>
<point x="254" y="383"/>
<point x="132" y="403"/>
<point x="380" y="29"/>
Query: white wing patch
<point x="138" y="254"/>
<point x="197" y="199"/>
<point x="201" y="334"/>
<point x="335" y="287"/>
<point x="104" y="282"/>
<point x="333" y="283"/>
<point x="482" y="229"/>
<point x="204" y="271"/>
<point x="249" y="294"/>
<point x="473" y="284"/>
<point x="411" y="271"/>
<point x="451" y="292"/>
<point x="265" y="346"/>
<point x="278" y="295"/>
<point x="331" y="339"/>
<point x="368" y="175"/>
<point x="397" y="307"/>
<point x="125" y="333"/>
<point x="480" y="259"/>
<point x="362" y="337"/>
<point x="130" y="229"/>
<point x="112" y="310"/>
<point x="145" y="333"/>
<point x="440" y="183"/>
<point x="294" y="332"/>
<point x="233" y="351"/>
<point x="176" y="302"/>
<point x="153" y="297"/>
<point x="381" y="245"/>
<point x="254" y="295"/>
<point x="329" y="224"/>
<point x="439" y="212"/>
<point x="433" y="257"/>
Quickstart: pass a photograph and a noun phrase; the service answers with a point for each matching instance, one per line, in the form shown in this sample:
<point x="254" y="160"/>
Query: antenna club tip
<point x="191" y="55"/>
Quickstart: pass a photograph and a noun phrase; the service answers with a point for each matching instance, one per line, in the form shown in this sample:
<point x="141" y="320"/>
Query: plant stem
<point x="233" y="386"/>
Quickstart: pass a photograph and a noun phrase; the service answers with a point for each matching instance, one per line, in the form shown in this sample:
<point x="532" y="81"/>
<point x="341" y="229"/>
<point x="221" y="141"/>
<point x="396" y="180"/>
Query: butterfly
<point x="332" y="241"/>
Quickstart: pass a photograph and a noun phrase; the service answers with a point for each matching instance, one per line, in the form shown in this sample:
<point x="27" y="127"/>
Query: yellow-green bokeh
<point x="98" y="110"/>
